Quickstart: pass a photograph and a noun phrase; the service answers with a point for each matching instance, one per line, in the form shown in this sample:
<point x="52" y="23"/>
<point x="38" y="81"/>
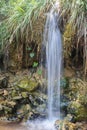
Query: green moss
<point x="78" y="111"/>
<point x="76" y="94"/>
<point x="28" y="85"/>
<point x="64" y="83"/>
<point x="24" y="94"/>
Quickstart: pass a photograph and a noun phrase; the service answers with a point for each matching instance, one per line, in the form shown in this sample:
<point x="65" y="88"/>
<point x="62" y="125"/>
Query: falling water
<point x="52" y="43"/>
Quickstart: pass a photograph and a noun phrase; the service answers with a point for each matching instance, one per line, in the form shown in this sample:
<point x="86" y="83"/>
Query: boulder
<point x="28" y="85"/>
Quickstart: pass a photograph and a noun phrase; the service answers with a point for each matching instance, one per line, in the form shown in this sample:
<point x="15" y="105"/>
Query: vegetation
<point x="23" y="22"/>
<point x="74" y="12"/>
<point x="20" y="15"/>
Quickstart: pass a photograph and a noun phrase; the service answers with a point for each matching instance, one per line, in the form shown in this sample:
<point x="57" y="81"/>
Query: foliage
<point x="75" y="11"/>
<point x="20" y="16"/>
<point x="35" y="64"/>
<point x="77" y="14"/>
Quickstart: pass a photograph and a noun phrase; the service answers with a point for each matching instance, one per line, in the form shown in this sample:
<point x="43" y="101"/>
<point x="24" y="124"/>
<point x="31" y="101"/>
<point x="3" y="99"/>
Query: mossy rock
<point x="78" y="111"/>
<point x="28" y="85"/>
<point x="76" y="95"/>
<point x="17" y="97"/>
<point x="40" y="95"/>
<point x="23" y="109"/>
<point x="64" y="125"/>
<point x="14" y="93"/>
<point x="41" y="108"/>
<point x="24" y="94"/>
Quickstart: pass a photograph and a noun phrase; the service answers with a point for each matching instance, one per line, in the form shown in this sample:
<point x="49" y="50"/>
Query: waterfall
<point x="53" y="57"/>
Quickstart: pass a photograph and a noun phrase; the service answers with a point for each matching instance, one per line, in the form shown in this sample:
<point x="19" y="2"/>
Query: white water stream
<point x="52" y="43"/>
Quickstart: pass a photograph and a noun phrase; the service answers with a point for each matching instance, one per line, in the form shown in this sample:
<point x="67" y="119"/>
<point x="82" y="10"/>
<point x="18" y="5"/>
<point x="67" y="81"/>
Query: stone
<point x="11" y="103"/>
<point x="40" y="97"/>
<point x="78" y="110"/>
<point x="76" y="94"/>
<point x="41" y="108"/>
<point x="14" y="93"/>
<point x="33" y="101"/>
<point x="7" y="109"/>
<point x="28" y="85"/>
<point x="64" y="125"/>
<point x="28" y="107"/>
<point x="5" y="92"/>
<point x="17" y="97"/>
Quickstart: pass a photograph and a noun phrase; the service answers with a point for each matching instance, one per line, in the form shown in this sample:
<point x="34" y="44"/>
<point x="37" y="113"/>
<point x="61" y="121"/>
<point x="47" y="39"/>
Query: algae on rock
<point x="28" y="85"/>
<point x="75" y="95"/>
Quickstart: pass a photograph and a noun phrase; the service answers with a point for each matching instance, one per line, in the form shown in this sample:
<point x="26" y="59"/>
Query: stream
<point x="30" y="125"/>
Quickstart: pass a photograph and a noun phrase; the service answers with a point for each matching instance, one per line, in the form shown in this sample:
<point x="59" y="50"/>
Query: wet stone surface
<point x="20" y="97"/>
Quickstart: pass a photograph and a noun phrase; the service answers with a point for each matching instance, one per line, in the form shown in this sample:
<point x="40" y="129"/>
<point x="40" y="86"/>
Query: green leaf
<point x="29" y="48"/>
<point x="35" y="64"/>
<point x="32" y="55"/>
<point x="20" y="9"/>
<point x="39" y="71"/>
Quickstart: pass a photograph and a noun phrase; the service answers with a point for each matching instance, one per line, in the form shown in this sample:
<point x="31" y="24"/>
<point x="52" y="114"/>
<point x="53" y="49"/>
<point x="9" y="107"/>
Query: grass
<point x="19" y="16"/>
<point x="75" y="12"/>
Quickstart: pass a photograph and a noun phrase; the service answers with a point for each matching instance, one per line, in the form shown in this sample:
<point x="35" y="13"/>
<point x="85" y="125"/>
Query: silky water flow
<point x="51" y="69"/>
<point x="53" y="49"/>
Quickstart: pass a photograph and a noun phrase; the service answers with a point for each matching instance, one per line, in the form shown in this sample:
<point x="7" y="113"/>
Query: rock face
<point x="74" y="99"/>
<point x="21" y="98"/>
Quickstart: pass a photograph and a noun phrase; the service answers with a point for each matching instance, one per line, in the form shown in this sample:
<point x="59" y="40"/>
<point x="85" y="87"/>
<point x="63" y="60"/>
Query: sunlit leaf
<point x="35" y="64"/>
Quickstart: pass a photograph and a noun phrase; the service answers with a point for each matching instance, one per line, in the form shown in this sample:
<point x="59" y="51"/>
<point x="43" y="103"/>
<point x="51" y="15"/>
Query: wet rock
<point x="33" y="101"/>
<point x="42" y="109"/>
<point x="78" y="110"/>
<point x="14" y="93"/>
<point x="7" y="109"/>
<point x="34" y="115"/>
<point x="4" y="82"/>
<point x="8" y="103"/>
<point x="76" y="94"/>
<point x="5" y="92"/>
<point x="23" y="112"/>
<point x="17" y="97"/>
<point x="22" y="99"/>
<point x="11" y="103"/>
<point x="40" y="97"/>
<point x="69" y="126"/>
<point x="66" y="125"/>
